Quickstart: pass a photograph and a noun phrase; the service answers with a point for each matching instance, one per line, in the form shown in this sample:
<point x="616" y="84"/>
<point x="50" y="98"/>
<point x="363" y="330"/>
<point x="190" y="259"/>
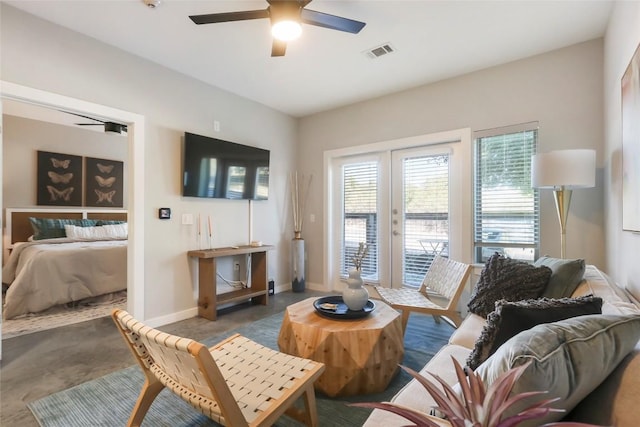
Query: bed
<point x="57" y="269"/>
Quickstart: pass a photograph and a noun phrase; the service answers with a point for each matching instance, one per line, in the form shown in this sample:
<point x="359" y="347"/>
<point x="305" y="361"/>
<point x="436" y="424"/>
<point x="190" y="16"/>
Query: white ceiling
<point x="324" y="69"/>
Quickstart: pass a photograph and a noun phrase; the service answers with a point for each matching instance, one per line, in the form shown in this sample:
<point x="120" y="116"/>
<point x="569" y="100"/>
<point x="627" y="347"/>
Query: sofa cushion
<point x="615" y="401"/>
<point x="511" y="318"/>
<point x="508" y="279"/>
<point x="569" y="358"/>
<point x="566" y="274"/>
<point x="469" y="331"/>
<point x="615" y="299"/>
<point x="414" y="395"/>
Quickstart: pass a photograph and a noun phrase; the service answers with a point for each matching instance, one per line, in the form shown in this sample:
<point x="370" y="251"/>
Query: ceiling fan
<point x="286" y="17"/>
<point x="110" y="127"/>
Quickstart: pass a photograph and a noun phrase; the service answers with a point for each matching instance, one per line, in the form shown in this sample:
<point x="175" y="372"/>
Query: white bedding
<point x="45" y="273"/>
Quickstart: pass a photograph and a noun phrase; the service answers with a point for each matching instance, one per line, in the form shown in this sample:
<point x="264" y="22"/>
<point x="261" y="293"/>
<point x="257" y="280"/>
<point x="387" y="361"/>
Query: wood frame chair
<point x="445" y="279"/>
<point x="237" y="382"/>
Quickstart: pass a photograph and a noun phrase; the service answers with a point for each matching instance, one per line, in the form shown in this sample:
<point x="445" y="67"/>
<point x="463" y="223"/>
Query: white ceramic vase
<point x="355" y="295"/>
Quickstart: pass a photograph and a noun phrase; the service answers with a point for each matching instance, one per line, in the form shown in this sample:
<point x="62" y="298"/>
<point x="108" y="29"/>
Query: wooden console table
<point x="208" y="299"/>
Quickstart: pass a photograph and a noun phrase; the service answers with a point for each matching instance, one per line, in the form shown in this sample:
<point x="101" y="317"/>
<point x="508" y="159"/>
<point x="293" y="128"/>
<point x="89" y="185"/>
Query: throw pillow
<point x="568" y="358"/>
<point x="508" y="279"/>
<point x="511" y="318"/>
<point x="566" y="275"/>
<point x="53" y="228"/>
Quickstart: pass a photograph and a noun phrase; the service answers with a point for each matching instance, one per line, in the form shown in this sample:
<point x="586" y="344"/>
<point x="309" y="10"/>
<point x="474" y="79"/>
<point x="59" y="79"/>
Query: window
<point x="506" y="208"/>
<point x="360" y="215"/>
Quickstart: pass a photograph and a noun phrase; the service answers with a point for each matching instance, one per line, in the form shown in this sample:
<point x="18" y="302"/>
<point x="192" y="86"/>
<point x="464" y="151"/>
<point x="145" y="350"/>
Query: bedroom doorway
<point x="135" y="183"/>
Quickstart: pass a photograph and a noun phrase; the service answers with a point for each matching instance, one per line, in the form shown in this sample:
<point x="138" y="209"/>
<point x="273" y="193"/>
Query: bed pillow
<point x="511" y="318"/>
<point x="508" y="279"/>
<point x="568" y="358"/>
<point x="102" y="232"/>
<point x="566" y="275"/>
<point x="53" y="228"/>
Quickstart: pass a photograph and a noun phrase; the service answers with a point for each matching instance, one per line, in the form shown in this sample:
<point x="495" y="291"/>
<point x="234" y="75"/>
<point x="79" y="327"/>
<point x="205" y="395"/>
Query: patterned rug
<point x="62" y="315"/>
<point x="108" y="401"/>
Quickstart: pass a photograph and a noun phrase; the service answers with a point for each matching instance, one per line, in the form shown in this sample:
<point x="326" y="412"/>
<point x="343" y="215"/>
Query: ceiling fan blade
<point x="278" y="48"/>
<point x="83" y="116"/>
<point x="89" y="124"/>
<point x="333" y="22"/>
<point x="213" y="18"/>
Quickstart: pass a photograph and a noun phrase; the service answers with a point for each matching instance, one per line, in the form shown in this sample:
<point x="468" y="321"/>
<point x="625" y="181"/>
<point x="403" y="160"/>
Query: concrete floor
<point x="39" y="364"/>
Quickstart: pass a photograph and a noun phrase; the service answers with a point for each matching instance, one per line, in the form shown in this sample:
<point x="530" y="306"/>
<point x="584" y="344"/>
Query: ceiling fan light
<point x="286" y="30"/>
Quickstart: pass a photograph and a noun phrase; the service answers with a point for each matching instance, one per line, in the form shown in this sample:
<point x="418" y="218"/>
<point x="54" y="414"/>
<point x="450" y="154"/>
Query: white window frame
<point x="524" y="127"/>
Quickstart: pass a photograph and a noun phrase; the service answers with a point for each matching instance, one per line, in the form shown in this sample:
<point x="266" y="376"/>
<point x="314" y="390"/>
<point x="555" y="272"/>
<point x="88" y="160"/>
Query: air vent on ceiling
<point x="379" y="51"/>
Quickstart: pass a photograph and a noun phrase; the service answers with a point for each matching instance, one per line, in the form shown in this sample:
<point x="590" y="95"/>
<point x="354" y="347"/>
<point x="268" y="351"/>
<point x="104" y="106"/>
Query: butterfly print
<point x="105" y="197"/>
<point x="105" y="182"/>
<point x="64" y="164"/>
<point x="60" y="194"/>
<point x="104" y="168"/>
<point x="59" y="178"/>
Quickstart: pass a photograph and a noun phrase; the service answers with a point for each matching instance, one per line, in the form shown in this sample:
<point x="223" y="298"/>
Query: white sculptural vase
<point x="355" y="295"/>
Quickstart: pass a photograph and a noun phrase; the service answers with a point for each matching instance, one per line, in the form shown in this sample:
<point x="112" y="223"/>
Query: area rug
<point x="108" y="401"/>
<point x="62" y="315"/>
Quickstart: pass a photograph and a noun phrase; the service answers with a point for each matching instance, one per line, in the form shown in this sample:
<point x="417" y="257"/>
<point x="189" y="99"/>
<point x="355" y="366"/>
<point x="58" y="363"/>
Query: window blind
<point x="506" y="208"/>
<point x="360" y="216"/>
<point x="426" y="214"/>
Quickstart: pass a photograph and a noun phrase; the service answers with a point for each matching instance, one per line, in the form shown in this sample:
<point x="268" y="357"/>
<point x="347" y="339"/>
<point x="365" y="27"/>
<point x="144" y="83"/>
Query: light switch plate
<point x="187" y="219"/>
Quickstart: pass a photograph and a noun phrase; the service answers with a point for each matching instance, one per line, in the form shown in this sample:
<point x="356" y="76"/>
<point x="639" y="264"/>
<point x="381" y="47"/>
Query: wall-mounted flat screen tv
<point x="226" y="170"/>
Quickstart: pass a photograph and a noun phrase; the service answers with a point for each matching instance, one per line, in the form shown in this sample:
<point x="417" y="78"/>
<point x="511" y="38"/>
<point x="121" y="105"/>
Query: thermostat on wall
<point x="164" y="213"/>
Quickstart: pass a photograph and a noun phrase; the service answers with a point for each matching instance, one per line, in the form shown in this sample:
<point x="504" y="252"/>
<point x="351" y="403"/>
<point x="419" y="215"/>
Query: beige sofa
<point x="613" y="402"/>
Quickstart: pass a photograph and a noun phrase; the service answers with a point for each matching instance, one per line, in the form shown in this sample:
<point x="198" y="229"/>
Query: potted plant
<point x="479" y="406"/>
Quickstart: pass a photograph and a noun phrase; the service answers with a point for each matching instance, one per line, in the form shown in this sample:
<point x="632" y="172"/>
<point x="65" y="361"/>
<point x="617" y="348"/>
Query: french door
<point x="406" y="204"/>
<point x="419" y="212"/>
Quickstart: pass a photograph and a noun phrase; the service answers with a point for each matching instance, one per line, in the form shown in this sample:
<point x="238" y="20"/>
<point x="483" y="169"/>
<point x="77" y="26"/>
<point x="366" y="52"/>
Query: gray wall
<point x="621" y="41"/>
<point x="41" y="55"/>
<point x="561" y="89"/>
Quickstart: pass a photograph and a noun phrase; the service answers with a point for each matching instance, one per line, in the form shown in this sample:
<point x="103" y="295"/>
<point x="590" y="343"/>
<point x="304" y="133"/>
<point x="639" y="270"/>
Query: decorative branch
<point x="358" y="258"/>
<point x="299" y="194"/>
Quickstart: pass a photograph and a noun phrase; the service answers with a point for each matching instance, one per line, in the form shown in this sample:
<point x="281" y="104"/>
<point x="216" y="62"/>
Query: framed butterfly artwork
<point x="103" y="183"/>
<point x="59" y="179"/>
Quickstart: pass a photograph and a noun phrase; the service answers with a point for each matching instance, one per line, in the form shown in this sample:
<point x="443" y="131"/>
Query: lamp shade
<point x="564" y="168"/>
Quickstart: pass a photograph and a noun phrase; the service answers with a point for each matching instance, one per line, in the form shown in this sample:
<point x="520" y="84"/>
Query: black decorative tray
<point x="341" y="311"/>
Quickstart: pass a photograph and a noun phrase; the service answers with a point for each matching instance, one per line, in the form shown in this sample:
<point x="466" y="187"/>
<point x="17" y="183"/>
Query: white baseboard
<point x="193" y="312"/>
<point x="172" y="318"/>
<point x="282" y="288"/>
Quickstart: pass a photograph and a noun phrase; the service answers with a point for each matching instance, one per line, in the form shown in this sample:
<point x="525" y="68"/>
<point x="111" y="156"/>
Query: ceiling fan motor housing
<point x="284" y="11"/>
<point x="113" y="127"/>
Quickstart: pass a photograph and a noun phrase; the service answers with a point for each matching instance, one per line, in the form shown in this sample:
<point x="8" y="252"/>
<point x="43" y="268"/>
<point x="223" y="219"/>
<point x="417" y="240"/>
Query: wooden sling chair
<point x="237" y="382"/>
<point x="444" y="280"/>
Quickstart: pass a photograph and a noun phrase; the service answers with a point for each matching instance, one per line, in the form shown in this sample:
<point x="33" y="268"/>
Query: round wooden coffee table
<point x="361" y="355"/>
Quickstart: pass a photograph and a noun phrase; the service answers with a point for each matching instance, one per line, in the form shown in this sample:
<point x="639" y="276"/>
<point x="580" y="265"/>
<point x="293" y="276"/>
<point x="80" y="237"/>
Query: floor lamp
<point x="562" y="171"/>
